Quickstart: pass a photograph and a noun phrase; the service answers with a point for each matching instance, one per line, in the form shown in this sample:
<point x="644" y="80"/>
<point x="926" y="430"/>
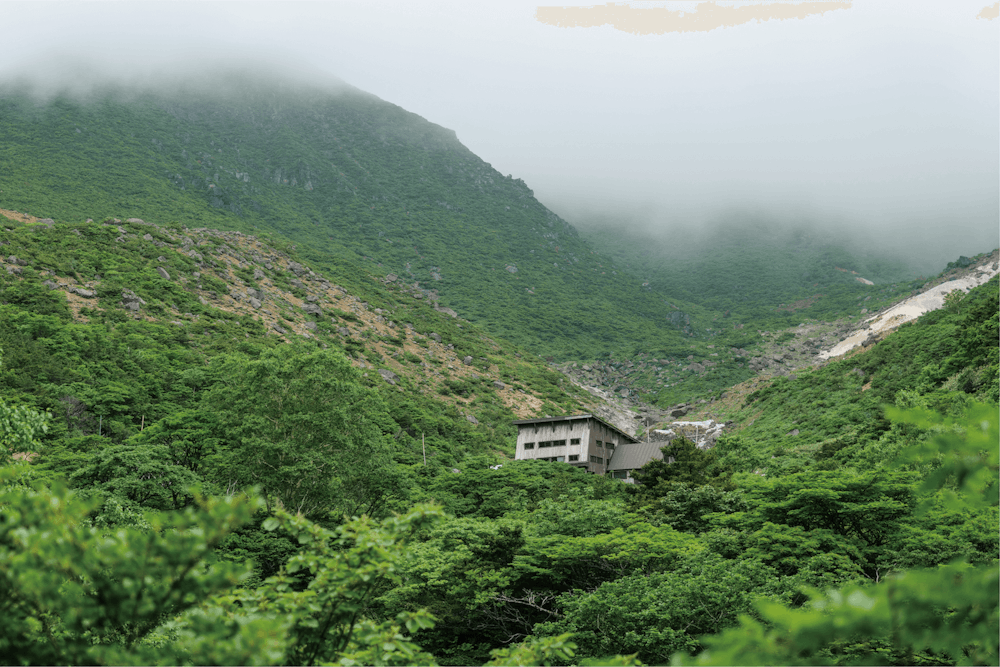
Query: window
<point x="600" y="444"/>
<point x="620" y="474"/>
<point x="529" y="445"/>
<point x="609" y="445"/>
<point x="574" y="441"/>
<point x="596" y="459"/>
<point x="561" y="459"/>
<point x="545" y="443"/>
<point x="574" y="457"/>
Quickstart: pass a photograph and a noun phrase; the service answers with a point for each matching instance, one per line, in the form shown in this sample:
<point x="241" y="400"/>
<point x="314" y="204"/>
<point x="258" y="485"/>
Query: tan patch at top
<point x="19" y="217"/>
<point x="990" y="13"/>
<point x="660" y="20"/>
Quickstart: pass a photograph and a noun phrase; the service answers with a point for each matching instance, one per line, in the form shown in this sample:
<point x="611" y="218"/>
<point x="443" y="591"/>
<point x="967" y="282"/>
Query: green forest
<point x="229" y="436"/>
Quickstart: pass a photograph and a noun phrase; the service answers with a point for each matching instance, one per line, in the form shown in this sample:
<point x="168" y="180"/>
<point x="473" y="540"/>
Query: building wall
<point x="589" y="432"/>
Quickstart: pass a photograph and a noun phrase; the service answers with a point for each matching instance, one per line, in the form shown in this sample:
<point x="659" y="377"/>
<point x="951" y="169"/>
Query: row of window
<point x="561" y="443"/>
<point x="572" y="457"/>
<point x="605" y="445"/>
<point x="596" y="459"/>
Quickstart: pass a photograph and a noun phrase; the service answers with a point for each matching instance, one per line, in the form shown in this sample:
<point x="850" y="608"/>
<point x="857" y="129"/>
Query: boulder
<point x="312" y="309"/>
<point x="258" y="274"/>
<point x="467" y="361"/>
<point x="255" y="303"/>
<point x="391" y="278"/>
<point x="137" y="221"/>
<point x="387" y="375"/>
<point x="85" y="293"/>
<point x="131" y="300"/>
<point x="435" y="337"/>
<point x="471" y="419"/>
<point x="310" y="325"/>
<point x="344" y="331"/>
<point x="499" y="385"/>
<point x="446" y="311"/>
<point x="147" y="237"/>
<point x="278" y="328"/>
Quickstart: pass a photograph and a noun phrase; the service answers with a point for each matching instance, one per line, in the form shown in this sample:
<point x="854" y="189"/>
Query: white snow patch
<point x="912" y="308"/>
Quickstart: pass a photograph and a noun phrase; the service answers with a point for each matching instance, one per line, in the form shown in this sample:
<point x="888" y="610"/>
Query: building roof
<point x="547" y="420"/>
<point x="635" y="455"/>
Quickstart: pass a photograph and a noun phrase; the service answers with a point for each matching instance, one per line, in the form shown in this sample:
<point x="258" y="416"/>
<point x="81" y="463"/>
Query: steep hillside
<point x="110" y="325"/>
<point x="344" y="175"/>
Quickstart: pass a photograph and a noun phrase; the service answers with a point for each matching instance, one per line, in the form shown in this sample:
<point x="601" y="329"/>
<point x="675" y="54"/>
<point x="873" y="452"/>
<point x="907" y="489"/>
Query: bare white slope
<point x="914" y="307"/>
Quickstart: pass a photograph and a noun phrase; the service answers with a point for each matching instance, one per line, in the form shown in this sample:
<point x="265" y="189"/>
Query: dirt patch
<point x="17" y="216"/>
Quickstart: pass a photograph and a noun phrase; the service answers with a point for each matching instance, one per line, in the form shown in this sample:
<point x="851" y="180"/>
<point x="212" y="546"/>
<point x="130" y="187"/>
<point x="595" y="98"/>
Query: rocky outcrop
<point x="131" y="300"/>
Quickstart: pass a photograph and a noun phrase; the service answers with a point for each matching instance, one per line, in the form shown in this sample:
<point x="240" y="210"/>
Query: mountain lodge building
<point x="584" y="441"/>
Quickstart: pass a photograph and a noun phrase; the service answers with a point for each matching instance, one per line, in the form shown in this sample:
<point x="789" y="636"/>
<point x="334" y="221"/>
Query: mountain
<point x="344" y="175"/>
<point x="356" y="181"/>
<point x="229" y="435"/>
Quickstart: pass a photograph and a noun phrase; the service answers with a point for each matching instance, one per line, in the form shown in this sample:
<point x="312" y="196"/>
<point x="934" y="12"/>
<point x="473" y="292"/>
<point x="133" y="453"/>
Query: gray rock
<point x="268" y="266"/>
<point x="471" y="419"/>
<point x="391" y="278"/>
<point x="147" y="237"/>
<point x="312" y="309"/>
<point x="278" y="328"/>
<point x="312" y="298"/>
<point x="297" y="284"/>
<point x="85" y="293"/>
<point x="344" y="331"/>
<point x="12" y="259"/>
<point x="467" y="361"/>
<point x="793" y="432"/>
<point x="387" y="375"/>
<point x="254" y="302"/>
<point x="258" y="274"/>
<point x="446" y="311"/>
<point x="50" y="284"/>
<point x="297" y="269"/>
<point x="194" y="254"/>
<point x="512" y="269"/>
<point x="131" y="300"/>
<point x="256" y="294"/>
<point x="435" y="337"/>
<point x="138" y="221"/>
<point x="310" y="325"/>
<point x="163" y="273"/>
<point x="499" y="385"/>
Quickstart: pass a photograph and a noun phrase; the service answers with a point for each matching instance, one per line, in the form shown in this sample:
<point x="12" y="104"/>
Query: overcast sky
<point x="880" y="113"/>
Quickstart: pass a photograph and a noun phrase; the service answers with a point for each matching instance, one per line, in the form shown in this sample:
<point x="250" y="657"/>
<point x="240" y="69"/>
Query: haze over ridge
<point x="876" y="120"/>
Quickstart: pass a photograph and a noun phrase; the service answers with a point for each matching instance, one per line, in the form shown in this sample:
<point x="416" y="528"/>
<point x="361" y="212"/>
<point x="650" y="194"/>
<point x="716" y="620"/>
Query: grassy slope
<point x="97" y="366"/>
<point x="342" y="175"/>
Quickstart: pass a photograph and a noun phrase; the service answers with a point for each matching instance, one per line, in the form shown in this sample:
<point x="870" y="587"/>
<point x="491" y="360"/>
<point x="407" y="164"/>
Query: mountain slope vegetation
<point x="228" y="436"/>
<point x="343" y="174"/>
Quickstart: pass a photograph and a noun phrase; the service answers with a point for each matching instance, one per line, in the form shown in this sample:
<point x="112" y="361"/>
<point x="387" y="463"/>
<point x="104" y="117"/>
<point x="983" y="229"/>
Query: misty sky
<point x="882" y="115"/>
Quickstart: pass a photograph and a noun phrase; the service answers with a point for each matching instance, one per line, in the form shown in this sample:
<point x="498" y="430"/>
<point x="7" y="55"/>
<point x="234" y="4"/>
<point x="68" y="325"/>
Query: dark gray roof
<point x="547" y="420"/>
<point x="634" y="456"/>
